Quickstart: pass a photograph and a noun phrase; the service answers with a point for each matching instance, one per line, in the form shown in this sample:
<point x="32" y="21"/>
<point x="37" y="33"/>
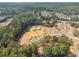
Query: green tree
<point x="60" y="49"/>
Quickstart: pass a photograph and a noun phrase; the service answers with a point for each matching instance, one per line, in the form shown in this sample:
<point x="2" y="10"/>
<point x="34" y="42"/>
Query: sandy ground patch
<point x="37" y="32"/>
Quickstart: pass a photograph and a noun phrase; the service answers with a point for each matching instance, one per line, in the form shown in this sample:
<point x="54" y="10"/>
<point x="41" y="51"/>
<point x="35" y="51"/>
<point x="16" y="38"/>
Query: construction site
<point x="61" y="28"/>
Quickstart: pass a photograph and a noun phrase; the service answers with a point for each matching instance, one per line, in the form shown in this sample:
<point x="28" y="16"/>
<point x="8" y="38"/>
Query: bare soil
<point x="37" y="32"/>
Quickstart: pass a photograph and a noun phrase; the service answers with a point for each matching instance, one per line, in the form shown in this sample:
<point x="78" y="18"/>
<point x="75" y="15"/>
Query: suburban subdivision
<point x="30" y="29"/>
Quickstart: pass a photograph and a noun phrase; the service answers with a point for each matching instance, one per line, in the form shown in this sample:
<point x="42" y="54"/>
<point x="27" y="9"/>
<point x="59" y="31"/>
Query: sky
<point x="39" y="0"/>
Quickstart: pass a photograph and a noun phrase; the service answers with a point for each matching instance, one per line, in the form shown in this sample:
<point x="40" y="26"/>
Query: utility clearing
<point x="37" y="32"/>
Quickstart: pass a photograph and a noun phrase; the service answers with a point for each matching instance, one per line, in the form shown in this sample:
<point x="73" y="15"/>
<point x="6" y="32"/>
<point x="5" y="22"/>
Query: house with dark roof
<point x="2" y="20"/>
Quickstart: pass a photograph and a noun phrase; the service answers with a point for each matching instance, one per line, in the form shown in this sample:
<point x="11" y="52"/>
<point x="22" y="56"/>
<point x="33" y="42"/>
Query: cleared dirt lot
<point x="37" y="32"/>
